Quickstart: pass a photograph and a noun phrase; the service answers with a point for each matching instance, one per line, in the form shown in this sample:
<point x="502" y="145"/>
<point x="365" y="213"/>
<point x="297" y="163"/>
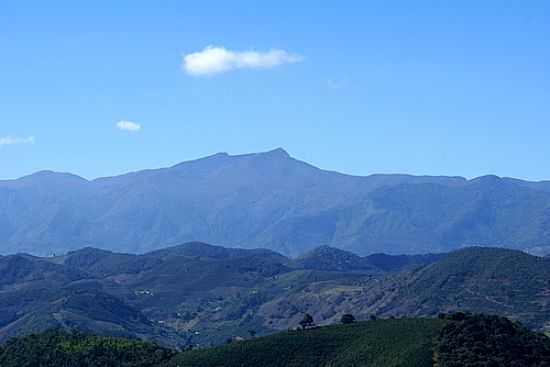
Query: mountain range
<point x="270" y="200"/>
<point x="199" y="294"/>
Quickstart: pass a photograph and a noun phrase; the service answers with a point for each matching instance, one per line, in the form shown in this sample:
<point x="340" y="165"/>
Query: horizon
<point x="312" y="251"/>
<point x="91" y="179"/>
<point x="420" y="89"/>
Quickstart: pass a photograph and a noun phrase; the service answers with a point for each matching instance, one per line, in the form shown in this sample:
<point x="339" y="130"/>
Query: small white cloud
<point x="14" y="140"/>
<point x="128" y="126"/>
<point x="216" y="60"/>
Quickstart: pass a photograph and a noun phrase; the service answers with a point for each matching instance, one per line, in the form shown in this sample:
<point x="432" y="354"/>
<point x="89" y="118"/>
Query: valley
<point x="197" y="294"/>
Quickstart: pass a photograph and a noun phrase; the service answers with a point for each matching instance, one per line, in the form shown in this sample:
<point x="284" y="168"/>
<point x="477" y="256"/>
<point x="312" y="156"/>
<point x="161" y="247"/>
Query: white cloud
<point x="216" y="60"/>
<point x="128" y="126"/>
<point x="14" y="140"/>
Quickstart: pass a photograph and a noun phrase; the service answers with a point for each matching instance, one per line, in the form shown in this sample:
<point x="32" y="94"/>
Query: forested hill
<point x="451" y="341"/>
<point x="201" y="294"/>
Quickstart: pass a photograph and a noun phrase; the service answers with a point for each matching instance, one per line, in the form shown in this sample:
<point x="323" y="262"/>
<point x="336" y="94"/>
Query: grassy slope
<point x="468" y="340"/>
<point x="388" y="343"/>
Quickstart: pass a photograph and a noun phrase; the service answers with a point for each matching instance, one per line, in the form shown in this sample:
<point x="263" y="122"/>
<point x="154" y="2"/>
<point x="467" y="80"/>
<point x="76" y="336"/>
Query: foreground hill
<point x="381" y="343"/>
<point x="456" y="340"/>
<point x="270" y="200"/>
<point x="55" y="348"/>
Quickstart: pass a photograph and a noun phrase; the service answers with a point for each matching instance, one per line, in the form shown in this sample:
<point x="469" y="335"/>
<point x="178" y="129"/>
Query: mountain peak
<point x="278" y="152"/>
<point x="48" y="174"/>
<point x="59" y="180"/>
<point x="219" y="154"/>
<point x="325" y="250"/>
<point x="328" y="258"/>
<point x="487" y="179"/>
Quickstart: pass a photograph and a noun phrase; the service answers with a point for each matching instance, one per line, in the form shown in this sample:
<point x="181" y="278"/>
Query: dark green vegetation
<point x="60" y="349"/>
<point x="197" y="294"/>
<point x="454" y="341"/>
<point x="347" y="319"/>
<point x="406" y="342"/>
<point x="491" y="341"/>
<point x="270" y="200"/>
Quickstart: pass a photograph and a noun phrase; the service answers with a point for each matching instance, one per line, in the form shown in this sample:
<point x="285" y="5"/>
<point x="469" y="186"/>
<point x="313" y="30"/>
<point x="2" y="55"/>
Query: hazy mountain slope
<point x="91" y="310"/>
<point x="167" y="294"/>
<point x="489" y="280"/>
<point x="327" y="258"/>
<point x="506" y="282"/>
<point x="393" y="263"/>
<point x="273" y="201"/>
<point x="38" y="294"/>
<point x="331" y="259"/>
<point x="201" y="294"/>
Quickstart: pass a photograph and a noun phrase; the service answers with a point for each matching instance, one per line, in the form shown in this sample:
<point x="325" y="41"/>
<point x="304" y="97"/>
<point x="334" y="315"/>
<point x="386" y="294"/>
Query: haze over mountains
<point x="197" y="293"/>
<point x="273" y="201"/>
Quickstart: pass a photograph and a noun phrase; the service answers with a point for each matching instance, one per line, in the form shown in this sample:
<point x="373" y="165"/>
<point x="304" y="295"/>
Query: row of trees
<point x="308" y="322"/>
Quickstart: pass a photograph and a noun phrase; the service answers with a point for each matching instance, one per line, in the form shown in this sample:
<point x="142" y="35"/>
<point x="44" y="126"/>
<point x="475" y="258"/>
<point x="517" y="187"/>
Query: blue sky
<point x="440" y="87"/>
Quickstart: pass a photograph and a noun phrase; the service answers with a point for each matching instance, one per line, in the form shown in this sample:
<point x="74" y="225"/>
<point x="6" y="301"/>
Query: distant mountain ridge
<point x="325" y="258"/>
<point x="200" y="293"/>
<point x="161" y="294"/>
<point x="270" y="200"/>
<point x="479" y="279"/>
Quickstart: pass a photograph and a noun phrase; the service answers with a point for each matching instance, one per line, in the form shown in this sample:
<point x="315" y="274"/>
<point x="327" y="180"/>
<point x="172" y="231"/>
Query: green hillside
<point x="490" y="341"/>
<point x="405" y="342"/>
<point x="56" y="348"/>
<point x="453" y="340"/>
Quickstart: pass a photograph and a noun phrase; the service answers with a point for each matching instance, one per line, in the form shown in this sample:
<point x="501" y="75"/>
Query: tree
<point x="458" y="316"/>
<point x="252" y="333"/>
<point x="347" y="319"/>
<point x="307" y="321"/>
